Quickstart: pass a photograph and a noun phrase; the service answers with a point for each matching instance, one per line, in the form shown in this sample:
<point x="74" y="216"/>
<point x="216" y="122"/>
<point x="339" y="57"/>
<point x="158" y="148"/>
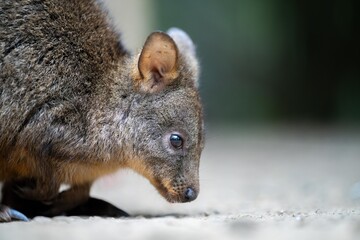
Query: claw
<point x="8" y="214"/>
<point x="16" y="215"/>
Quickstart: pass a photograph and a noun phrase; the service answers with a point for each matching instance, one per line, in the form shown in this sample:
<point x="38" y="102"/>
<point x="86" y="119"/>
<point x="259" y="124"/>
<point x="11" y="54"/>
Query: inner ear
<point x="158" y="62"/>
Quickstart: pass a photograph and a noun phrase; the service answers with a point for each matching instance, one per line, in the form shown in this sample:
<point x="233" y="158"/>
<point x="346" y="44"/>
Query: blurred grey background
<point x="263" y="61"/>
<point x="290" y="65"/>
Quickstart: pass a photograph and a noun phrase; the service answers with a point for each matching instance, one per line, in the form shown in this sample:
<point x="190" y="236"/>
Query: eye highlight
<point x="176" y="141"/>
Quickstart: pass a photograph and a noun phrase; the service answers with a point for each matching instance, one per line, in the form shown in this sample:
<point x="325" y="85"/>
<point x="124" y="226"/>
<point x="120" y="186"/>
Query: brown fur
<point x="75" y="105"/>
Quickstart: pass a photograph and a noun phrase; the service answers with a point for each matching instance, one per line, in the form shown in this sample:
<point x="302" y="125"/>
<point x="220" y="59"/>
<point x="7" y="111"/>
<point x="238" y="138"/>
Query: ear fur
<point x="183" y="41"/>
<point x="187" y="51"/>
<point x="158" y="63"/>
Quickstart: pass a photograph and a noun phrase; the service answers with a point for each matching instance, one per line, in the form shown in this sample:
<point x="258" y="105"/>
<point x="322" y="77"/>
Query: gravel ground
<point x="264" y="183"/>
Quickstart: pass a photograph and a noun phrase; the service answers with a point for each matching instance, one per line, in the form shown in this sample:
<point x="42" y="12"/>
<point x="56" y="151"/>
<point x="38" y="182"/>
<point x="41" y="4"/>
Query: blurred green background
<point x="273" y="61"/>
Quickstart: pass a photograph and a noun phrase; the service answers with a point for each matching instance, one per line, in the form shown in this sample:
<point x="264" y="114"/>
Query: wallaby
<point x="75" y="105"/>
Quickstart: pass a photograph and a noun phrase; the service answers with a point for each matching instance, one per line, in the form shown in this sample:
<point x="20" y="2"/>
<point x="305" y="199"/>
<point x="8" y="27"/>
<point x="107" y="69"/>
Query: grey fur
<point x="70" y="111"/>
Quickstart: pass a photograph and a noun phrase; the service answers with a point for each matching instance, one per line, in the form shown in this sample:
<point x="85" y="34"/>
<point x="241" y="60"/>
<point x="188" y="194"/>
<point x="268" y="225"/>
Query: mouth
<point x="174" y="194"/>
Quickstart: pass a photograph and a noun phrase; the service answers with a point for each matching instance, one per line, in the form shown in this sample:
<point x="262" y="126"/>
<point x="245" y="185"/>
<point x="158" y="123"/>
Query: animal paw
<point x="33" y="190"/>
<point x="97" y="207"/>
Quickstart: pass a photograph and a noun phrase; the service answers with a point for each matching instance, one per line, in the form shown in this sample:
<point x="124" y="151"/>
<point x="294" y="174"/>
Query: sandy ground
<point x="263" y="183"/>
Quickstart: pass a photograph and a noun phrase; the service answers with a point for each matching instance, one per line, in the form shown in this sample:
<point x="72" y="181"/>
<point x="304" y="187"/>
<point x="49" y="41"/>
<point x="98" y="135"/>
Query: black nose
<point x="190" y="194"/>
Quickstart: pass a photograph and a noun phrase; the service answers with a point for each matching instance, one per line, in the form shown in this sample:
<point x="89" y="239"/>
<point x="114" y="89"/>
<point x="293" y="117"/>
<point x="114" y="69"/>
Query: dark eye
<point x="176" y="141"/>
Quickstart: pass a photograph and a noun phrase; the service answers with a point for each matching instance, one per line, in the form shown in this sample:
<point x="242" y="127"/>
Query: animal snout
<point x="190" y="194"/>
<point x="180" y="189"/>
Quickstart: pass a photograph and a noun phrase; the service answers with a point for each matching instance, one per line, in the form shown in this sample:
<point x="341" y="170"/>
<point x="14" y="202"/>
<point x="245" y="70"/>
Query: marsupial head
<point x="169" y="134"/>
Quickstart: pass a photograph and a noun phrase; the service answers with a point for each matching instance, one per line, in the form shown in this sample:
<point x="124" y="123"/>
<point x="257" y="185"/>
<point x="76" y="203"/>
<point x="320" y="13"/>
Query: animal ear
<point x="158" y="63"/>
